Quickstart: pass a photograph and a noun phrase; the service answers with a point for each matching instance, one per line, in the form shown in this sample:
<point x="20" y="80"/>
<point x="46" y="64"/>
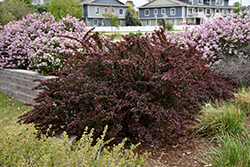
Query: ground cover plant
<point x="143" y="87"/>
<point x="24" y="149"/>
<point x="224" y="43"/>
<point x="33" y="42"/>
<point x="10" y="109"/>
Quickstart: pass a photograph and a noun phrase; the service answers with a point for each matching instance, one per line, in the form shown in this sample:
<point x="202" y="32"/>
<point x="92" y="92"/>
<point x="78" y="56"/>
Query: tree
<point x="131" y="16"/>
<point x="240" y="8"/>
<point x="13" y="10"/>
<point x="111" y="18"/>
<point x="59" y="8"/>
<point x="129" y="19"/>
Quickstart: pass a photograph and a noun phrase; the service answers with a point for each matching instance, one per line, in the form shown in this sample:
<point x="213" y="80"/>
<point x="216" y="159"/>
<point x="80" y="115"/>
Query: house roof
<point x="169" y="3"/>
<point x="92" y="2"/>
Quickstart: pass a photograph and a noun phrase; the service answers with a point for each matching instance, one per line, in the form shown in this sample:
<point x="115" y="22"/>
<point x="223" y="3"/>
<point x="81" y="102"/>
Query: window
<point x="172" y="11"/>
<point x="113" y="10"/>
<point x="217" y="10"/>
<point x="148" y="22"/>
<point x="163" y="11"/>
<point x="146" y="12"/>
<point x="105" y="10"/>
<point x="155" y="11"/>
<point x="216" y="2"/>
<point x="97" y="10"/>
<point x="222" y="2"/>
<point x="224" y="11"/>
<point x="190" y="11"/>
<point x="208" y="1"/>
<point x="201" y="10"/>
<point x="120" y="11"/>
<point x="95" y="22"/>
<point x="208" y="11"/>
<point x="200" y="2"/>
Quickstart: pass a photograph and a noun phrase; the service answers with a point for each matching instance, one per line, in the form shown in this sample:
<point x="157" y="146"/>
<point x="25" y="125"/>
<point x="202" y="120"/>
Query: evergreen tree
<point x="129" y="19"/>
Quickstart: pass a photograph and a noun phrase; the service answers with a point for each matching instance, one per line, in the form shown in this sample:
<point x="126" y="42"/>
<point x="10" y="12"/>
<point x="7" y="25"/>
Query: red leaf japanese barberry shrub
<point x="142" y="87"/>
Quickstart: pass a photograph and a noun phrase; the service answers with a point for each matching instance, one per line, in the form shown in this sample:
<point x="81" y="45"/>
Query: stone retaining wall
<point x="18" y="83"/>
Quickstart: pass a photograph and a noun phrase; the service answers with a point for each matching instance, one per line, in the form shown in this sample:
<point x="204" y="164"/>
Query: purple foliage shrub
<point x="142" y="87"/>
<point x="33" y="42"/>
<point x="225" y="42"/>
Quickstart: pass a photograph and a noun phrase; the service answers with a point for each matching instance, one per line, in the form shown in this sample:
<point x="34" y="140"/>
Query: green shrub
<point x="233" y="151"/>
<point x="25" y="150"/>
<point x="220" y="118"/>
<point x="138" y="33"/>
<point x="169" y="26"/>
<point x="130" y="33"/>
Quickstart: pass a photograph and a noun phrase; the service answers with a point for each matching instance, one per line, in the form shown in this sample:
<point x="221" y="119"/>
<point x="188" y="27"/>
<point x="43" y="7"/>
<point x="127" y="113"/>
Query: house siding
<point x="107" y="1"/>
<point x="92" y="14"/>
<point x="178" y="12"/>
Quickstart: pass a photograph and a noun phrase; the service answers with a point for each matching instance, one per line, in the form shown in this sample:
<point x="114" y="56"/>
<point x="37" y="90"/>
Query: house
<point x="40" y="2"/>
<point x="247" y="10"/>
<point x="182" y="12"/>
<point x="93" y="10"/>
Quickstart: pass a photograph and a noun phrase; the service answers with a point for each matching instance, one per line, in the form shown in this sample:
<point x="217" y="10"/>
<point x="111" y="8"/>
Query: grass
<point x="220" y="118"/>
<point x="10" y="109"/>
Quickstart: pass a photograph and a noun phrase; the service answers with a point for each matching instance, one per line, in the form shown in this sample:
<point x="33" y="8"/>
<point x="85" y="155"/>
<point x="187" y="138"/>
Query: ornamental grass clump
<point x="24" y="149"/>
<point x="143" y="87"/>
<point x="225" y="43"/>
<point x="33" y="42"/>
<point x="220" y="118"/>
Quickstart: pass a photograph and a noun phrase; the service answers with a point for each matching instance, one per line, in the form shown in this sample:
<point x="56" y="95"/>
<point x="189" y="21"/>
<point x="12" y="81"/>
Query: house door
<point x="198" y="21"/>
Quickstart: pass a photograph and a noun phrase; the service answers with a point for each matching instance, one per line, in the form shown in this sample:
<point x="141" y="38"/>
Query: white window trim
<point x="148" y="21"/>
<point x="217" y="4"/>
<point x="148" y="12"/>
<point x="156" y="11"/>
<point x="96" y="22"/>
<point x="201" y="9"/>
<point x="122" y="11"/>
<point x="224" y="14"/>
<point x="96" y="10"/>
<point x="174" y="11"/>
<point x="216" y="10"/>
<point x="112" y="10"/>
<point x="191" y="11"/>
<point x="201" y="3"/>
<point x="222" y="2"/>
<point x="163" y="9"/>
<point x="208" y="10"/>
<point x="107" y="10"/>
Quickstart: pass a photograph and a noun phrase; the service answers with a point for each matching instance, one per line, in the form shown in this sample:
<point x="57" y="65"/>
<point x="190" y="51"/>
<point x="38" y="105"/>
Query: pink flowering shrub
<point x="225" y="42"/>
<point x="33" y="42"/>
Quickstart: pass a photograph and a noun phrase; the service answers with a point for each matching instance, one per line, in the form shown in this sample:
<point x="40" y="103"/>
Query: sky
<point x="142" y="2"/>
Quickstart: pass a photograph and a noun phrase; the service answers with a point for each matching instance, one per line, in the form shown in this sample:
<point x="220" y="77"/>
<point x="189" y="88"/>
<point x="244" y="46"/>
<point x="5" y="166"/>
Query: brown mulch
<point x="181" y="155"/>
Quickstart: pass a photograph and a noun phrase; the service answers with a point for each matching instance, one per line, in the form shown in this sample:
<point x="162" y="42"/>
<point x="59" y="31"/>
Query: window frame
<point x="145" y="12"/>
<point x="96" y="10"/>
<point x="200" y="3"/>
<point x="191" y="11"/>
<point x="96" y="22"/>
<point x="105" y="10"/>
<point x="163" y="9"/>
<point x="148" y="22"/>
<point x="217" y="3"/>
<point x="171" y="11"/>
<point x="209" y="12"/>
<point x="121" y="9"/>
<point x="156" y="11"/>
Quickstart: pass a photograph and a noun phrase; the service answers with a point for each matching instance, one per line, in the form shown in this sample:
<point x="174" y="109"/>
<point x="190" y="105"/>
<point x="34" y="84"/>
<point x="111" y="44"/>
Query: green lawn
<point x="9" y="111"/>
